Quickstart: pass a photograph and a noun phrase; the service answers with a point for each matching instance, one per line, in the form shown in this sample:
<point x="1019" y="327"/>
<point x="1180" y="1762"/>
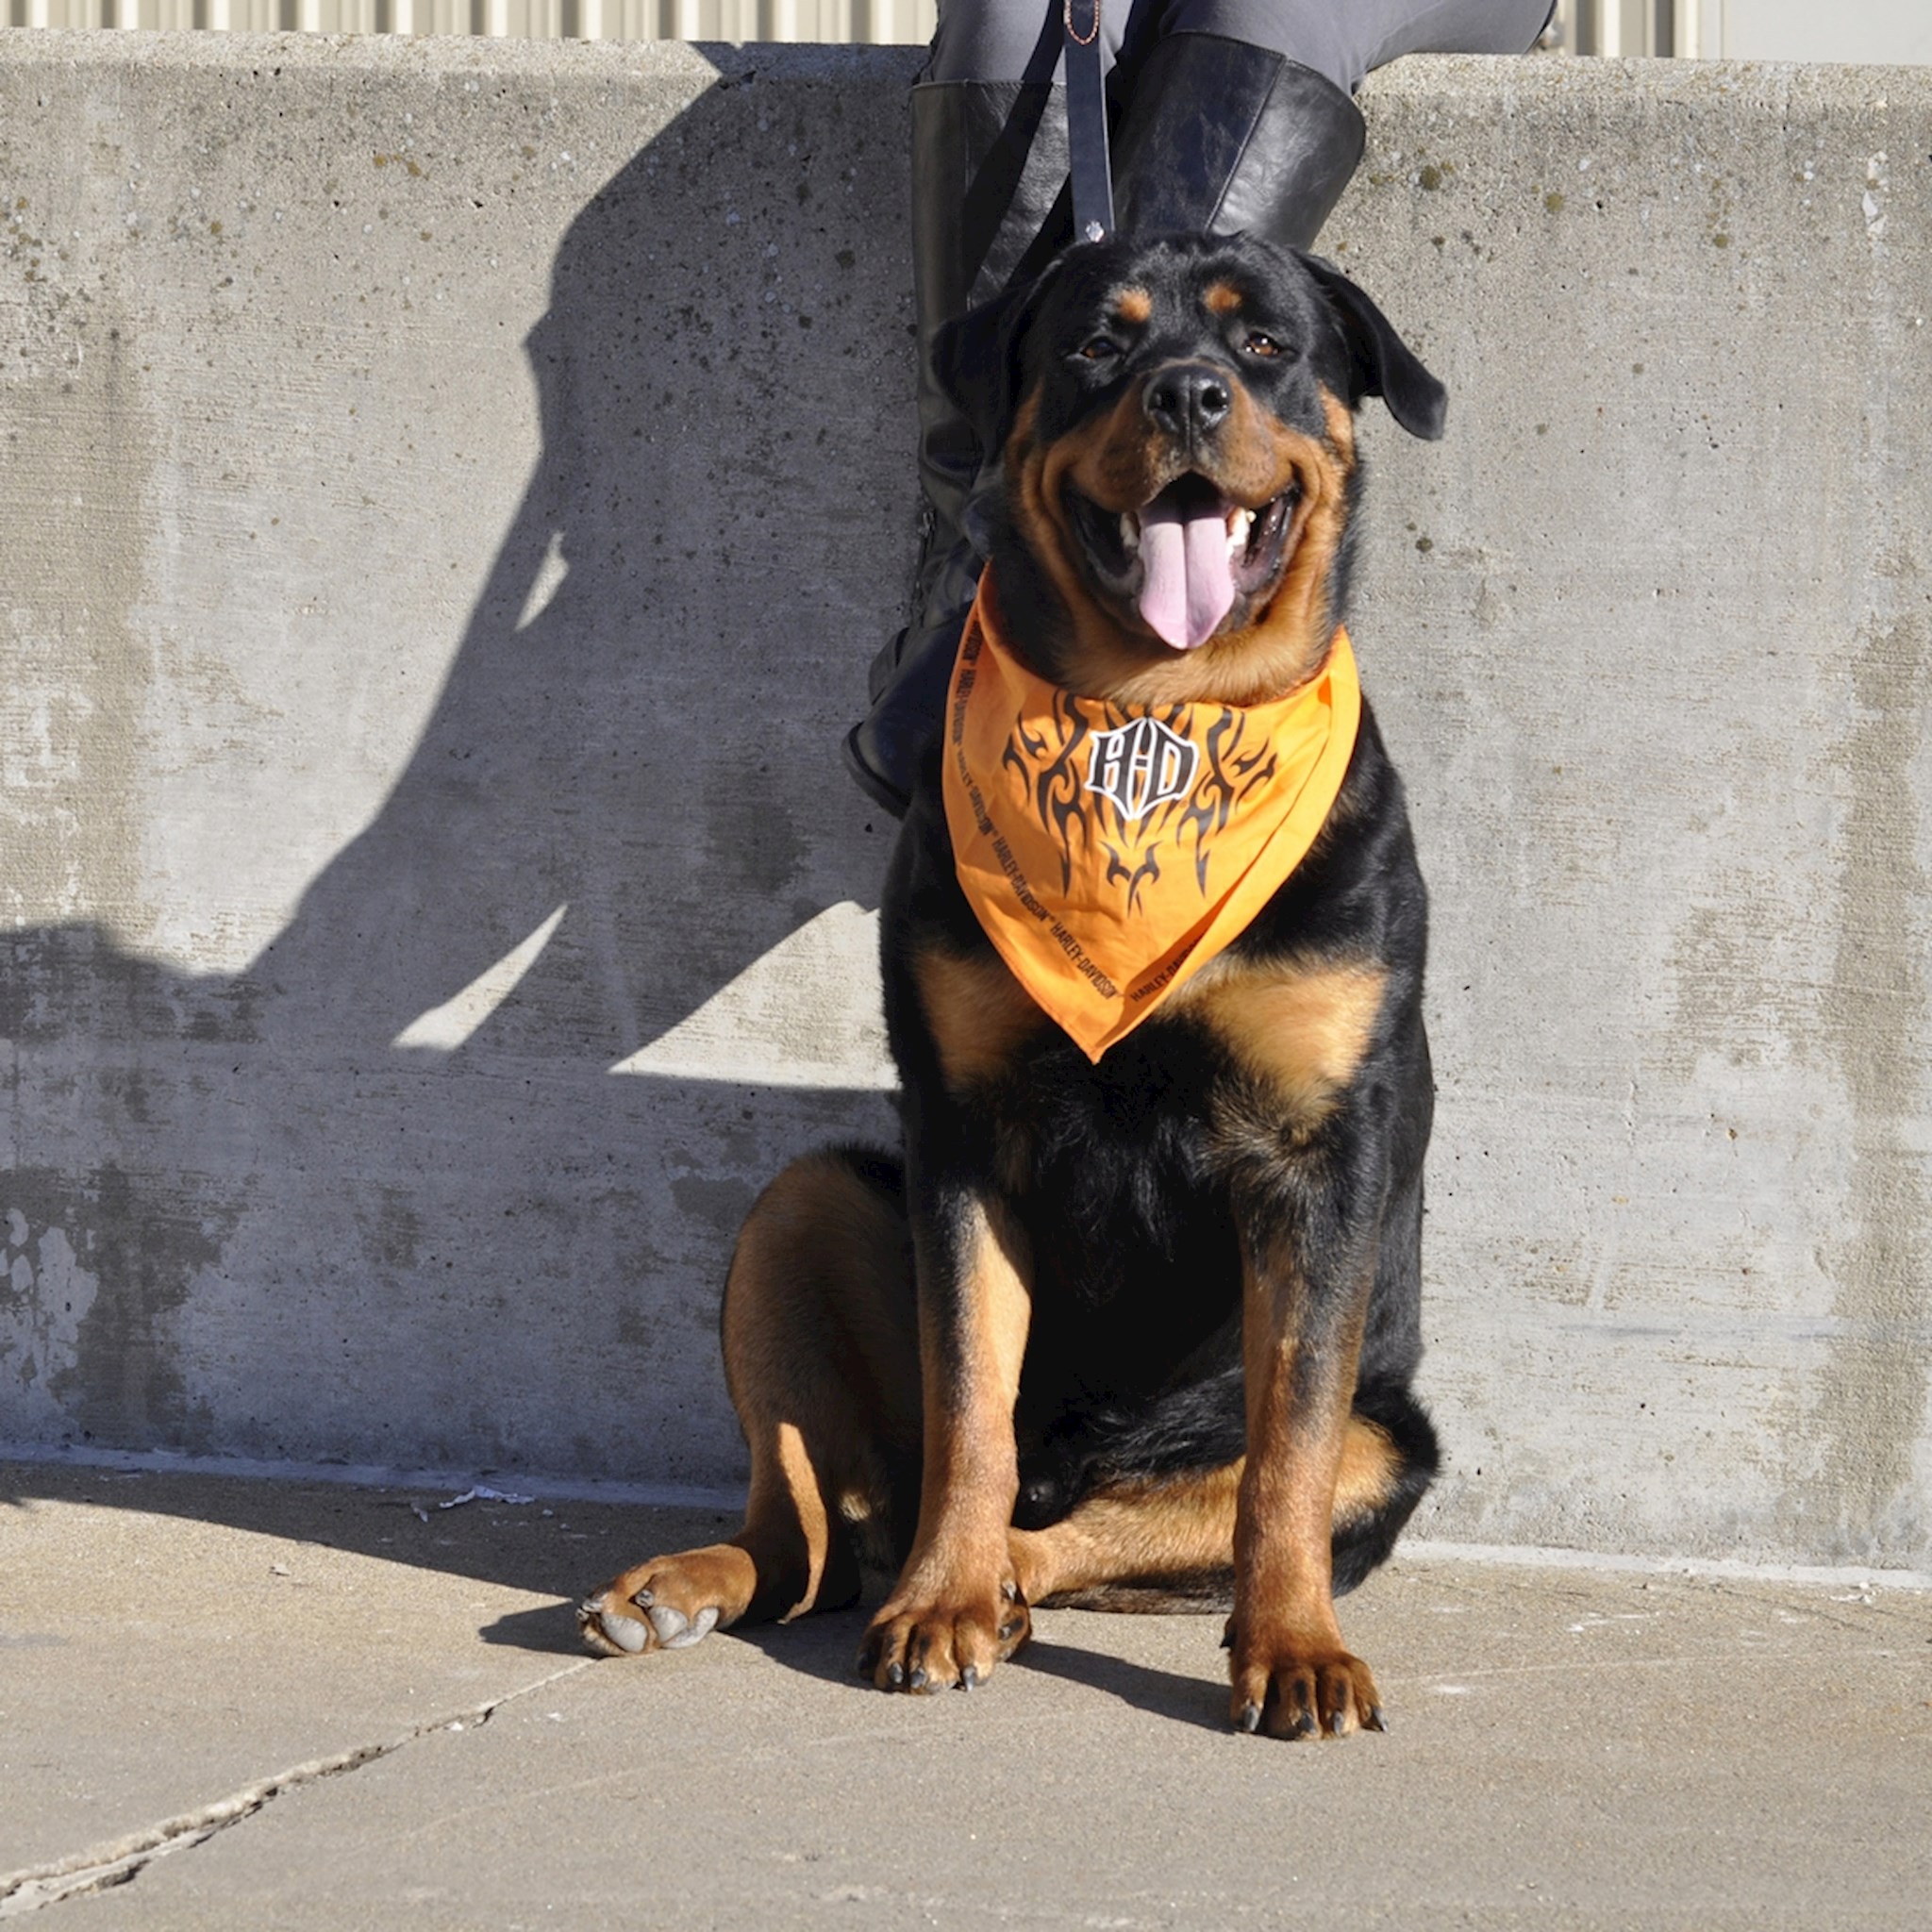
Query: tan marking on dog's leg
<point x="977" y="1012"/>
<point x="1149" y="1534"/>
<point x="1366" y="1476"/>
<point x="1303" y="1030"/>
<point x="1292" y="1674"/>
<point x="1132" y="1533"/>
<point x="820" y="1355"/>
<point x="951" y="1617"/>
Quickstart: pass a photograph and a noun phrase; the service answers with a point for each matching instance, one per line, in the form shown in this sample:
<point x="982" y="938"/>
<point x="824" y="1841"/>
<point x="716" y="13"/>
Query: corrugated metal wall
<point x="1583" y="27"/>
<point x="864" y="21"/>
<point x="1627" y="27"/>
<point x="1887" y="30"/>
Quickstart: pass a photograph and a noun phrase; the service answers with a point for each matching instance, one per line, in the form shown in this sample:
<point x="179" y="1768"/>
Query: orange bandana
<point x="1110" y="851"/>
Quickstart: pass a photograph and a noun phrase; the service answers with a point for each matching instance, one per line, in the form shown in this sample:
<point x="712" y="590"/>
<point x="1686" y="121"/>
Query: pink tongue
<point x="1188" y="586"/>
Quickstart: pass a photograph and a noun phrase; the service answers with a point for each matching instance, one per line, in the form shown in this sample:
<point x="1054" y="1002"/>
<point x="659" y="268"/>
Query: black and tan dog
<point x="1129" y="1326"/>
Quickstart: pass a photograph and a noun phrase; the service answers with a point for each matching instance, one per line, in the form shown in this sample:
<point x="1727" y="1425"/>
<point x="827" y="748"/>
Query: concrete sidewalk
<point x="228" y="1702"/>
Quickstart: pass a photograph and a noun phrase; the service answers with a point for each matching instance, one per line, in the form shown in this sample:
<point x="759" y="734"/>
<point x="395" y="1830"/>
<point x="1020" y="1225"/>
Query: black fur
<point x="1131" y="1205"/>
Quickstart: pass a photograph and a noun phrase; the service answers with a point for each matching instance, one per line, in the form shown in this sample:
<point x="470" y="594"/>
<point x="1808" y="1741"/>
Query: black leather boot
<point x="1222" y="137"/>
<point x="1217" y="135"/>
<point x="989" y="207"/>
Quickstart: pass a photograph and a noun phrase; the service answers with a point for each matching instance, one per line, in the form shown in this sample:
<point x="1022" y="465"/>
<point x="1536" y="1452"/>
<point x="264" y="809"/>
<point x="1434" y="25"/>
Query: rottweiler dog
<point x="1135" y="1328"/>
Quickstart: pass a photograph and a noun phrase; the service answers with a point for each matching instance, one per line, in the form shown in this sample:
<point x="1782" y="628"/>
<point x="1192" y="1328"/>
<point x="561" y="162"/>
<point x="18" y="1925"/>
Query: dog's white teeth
<point x="1239" y="523"/>
<point x="1130" y="532"/>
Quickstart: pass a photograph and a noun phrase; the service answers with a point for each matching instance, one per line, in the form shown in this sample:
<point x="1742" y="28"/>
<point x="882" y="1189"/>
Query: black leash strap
<point x="1087" y="122"/>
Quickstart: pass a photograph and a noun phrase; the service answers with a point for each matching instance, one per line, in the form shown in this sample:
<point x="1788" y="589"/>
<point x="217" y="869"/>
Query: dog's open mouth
<point x="1183" y="559"/>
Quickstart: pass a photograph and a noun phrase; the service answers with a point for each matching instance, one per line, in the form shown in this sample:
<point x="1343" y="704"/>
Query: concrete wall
<point x="448" y="495"/>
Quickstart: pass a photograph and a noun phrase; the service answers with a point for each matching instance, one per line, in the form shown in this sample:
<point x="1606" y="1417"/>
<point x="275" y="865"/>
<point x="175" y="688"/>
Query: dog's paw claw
<point x="602" y="1632"/>
<point x="1303" y="1689"/>
<point x="666" y="1603"/>
<point x="945" y="1644"/>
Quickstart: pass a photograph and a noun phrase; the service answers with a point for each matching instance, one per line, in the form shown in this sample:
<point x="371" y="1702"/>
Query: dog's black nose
<point x="1187" y="399"/>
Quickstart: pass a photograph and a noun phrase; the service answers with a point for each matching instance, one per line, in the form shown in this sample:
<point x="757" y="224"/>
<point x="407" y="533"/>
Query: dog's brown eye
<point x="1101" y="349"/>
<point x="1258" y="345"/>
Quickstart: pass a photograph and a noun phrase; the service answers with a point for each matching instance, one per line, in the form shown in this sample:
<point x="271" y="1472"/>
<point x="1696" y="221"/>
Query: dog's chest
<point x="1113" y="1167"/>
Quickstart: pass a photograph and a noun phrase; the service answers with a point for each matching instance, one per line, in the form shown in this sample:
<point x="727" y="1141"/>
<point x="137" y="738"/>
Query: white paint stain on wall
<point x="45" y="1296"/>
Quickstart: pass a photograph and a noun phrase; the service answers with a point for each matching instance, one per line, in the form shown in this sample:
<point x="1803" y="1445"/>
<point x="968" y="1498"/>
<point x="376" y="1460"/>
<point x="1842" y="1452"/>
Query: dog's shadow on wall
<point x="337" y="1206"/>
<point x="641" y="723"/>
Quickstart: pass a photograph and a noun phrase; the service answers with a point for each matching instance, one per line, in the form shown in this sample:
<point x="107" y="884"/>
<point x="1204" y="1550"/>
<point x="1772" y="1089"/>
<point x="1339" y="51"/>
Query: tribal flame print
<point x="1147" y="782"/>
<point x="1110" y="851"/>
<point x="1241" y="761"/>
<point x="1043" y="758"/>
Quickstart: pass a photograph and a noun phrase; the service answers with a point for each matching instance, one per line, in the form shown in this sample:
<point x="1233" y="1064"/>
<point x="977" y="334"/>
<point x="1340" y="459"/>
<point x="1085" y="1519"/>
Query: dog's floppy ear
<point x="978" y="358"/>
<point x="1384" y="364"/>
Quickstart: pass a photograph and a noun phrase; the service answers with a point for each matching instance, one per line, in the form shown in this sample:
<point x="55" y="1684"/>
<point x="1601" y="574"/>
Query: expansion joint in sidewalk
<point x="101" y="1867"/>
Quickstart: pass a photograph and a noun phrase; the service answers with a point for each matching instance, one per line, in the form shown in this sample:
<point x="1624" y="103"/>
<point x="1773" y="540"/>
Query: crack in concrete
<point x="119" y="1861"/>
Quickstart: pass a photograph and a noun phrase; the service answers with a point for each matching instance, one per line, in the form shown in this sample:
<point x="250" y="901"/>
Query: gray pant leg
<point x="1012" y="40"/>
<point x="1344" y="40"/>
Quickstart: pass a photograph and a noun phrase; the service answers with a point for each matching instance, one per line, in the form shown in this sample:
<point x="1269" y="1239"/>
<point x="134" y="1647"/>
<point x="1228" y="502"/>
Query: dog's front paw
<point x="1299" y="1689"/>
<point x="666" y="1603"/>
<point x="951" y="1642"/>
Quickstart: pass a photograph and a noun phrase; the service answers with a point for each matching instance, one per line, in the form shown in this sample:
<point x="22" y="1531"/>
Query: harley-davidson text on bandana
<point x="1110" y="851"/>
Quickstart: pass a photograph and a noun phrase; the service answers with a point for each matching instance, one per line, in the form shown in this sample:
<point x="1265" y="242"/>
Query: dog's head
<point x="1176" y="418"/>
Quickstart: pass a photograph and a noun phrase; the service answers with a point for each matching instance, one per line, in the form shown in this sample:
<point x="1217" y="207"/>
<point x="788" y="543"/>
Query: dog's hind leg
<point x="1166" y="1542"/>
<point x="1388" y="1462"/>
<point x="1146" y="1543"/>
<point x="821" y="1359"/>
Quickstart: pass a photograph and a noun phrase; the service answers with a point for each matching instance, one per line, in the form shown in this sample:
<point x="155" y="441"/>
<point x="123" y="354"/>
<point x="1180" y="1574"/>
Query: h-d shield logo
<point x="1140" y="766"/>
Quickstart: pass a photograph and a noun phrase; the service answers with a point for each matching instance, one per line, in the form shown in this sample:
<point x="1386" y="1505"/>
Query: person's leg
<point x="1387" y="29"/>
<point x="1232" y="114"/>
<point x="1223" y="134"/>
<point x="1345" y="40"/>
<point x="1008" y="39"/>
<point x="1239" y="114"/>
<point x="989" y="207"/>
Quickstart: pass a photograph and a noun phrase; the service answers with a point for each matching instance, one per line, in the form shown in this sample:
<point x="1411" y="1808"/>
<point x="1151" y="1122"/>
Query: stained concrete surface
<point x="1568" y="1748"/>
<point x="451" y="490"/>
